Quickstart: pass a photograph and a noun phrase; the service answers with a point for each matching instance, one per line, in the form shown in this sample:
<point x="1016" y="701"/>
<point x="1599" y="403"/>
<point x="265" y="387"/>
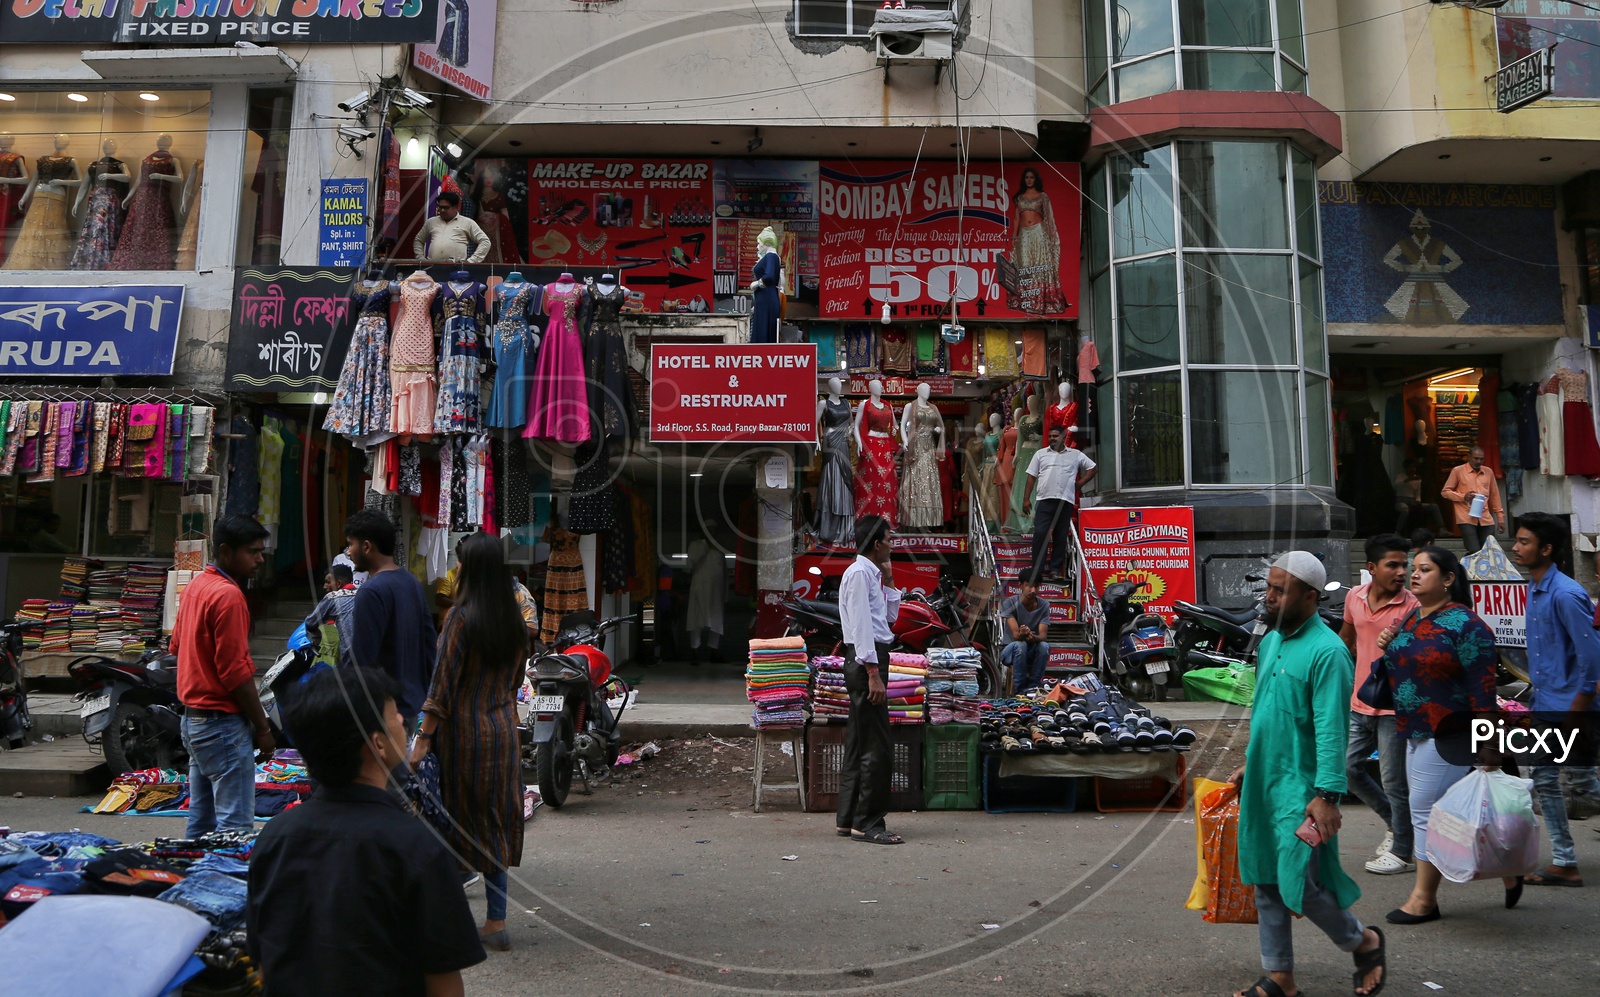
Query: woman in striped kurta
<point x="473" y="698"/>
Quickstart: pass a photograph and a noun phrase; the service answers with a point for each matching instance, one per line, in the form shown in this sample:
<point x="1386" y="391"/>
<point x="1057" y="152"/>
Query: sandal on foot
<point x="1366" y="962"/>
<point x="880" y="837"/>
<point x="1514" y="894"/>
<point x="1265" y="987"/>
<point x="500" y="940"/>
<point x="1548" y="878"/>
<point x="843" y="832"/>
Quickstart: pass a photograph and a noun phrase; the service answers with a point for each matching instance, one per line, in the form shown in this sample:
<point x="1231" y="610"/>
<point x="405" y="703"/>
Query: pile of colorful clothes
<point x="777" y="681"/>
<point x="952" y="682"/>
<point x="280" y="784"/>
<point x="907" y="688"/>
<point x="829" y="700"/>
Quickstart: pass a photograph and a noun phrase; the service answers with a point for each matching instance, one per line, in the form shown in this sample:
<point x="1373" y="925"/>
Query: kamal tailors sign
<point x="916" y="236"/>
<point x="1504" y="606"/>
<point x="1151" y="548"/>
<point x="217" y="22"/>
<point x="121" y="330"/>
<point x="750" y="393"/>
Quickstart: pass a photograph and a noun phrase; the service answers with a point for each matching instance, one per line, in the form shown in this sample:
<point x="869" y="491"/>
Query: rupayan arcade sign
<point x="1530" y="78"/>
<point x="217" y="22"/>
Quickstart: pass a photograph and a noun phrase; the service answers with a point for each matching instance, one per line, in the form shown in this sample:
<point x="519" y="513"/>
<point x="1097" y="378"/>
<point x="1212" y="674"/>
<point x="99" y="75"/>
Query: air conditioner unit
<point x="930" y="46"/>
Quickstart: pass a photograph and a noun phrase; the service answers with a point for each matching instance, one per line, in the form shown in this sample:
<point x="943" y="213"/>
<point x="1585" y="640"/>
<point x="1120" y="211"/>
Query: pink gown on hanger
<point x="558" y="406"/>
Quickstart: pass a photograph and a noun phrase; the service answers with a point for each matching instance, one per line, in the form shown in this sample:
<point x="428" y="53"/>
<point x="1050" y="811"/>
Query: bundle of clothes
<point x="777" y="681"/>
<point x="952" y="682"/>
<point x="281" y="783"/>
<point x="907" y="688"/>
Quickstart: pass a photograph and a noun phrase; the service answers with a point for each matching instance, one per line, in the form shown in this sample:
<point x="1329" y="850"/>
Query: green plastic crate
<point x="950" y="771"/>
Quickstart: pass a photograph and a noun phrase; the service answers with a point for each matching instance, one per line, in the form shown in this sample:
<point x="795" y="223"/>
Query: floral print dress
<point x="102" y="219"/>
<point x="462" y="316"/>
<point x="361" y="401"/>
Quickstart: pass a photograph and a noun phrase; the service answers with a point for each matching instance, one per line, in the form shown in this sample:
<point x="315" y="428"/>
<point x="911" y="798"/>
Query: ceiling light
<point x="716" y="141"/>
<point x="149" y="96"/>
<point x="6" y="96"/>
<point x="814" y="570"/>
<point x="453" y="149"/>
<point x="851" y="144"/>
<point x="515" y="143"/>
<point x="1458" y="346"/>
<point x="1445" y="155"/>
<point x="697" y="474"/>
<point x="983" y="370"/>
<point x="1545" y="159"/>
<point x="320" y="398"/>
<point x="80" y="98"/>
<point x="754" y="143"/>
<point x="1019" y="342"/>
<point x="411" y="144"/>
<point x="1369" y="346"/>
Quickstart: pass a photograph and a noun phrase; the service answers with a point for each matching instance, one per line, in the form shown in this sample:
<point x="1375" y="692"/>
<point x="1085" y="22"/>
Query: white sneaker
<point x="1390" y="864"/>
<point x="1386" y="845"/>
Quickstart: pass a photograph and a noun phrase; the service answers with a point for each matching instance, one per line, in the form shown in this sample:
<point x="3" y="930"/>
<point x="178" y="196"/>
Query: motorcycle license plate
<point x="96" y="705"/>
<point x="548" y="704"/>
<point x="1259" y="629"/>
<point x="1156" y="667"/>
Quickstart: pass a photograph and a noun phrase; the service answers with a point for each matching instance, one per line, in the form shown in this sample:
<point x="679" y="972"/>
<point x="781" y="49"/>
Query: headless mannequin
<point x="875" y="389"/>
<point x="1063" y="413"/>
<point x="109" y="148"/>
<point x="59" y="186"/>
<point x="164" y="144"/>
<point x="921" y="403"/>
<point x="835" y="390"/>
<point x="23" y="177"/>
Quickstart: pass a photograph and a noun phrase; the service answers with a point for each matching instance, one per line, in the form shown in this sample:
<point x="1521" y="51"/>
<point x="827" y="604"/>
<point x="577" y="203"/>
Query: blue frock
<point x="515" y="341"/>
<point x="764" y="320"/>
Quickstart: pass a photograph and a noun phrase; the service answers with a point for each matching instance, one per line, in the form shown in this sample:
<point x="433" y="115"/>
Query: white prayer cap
<point x="1305" y="566"/>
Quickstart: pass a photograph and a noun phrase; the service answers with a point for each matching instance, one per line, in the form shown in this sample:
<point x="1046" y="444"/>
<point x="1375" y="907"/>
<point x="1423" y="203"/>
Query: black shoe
<point x="1398" y="916"/>
<point x="1514" y="894"/>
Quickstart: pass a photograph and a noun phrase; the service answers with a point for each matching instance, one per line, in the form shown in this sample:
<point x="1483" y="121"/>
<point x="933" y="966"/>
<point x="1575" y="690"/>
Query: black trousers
<point x="1052" y="529"/>
<point x="864" y="772"/>
<point x="1473" y="536"/>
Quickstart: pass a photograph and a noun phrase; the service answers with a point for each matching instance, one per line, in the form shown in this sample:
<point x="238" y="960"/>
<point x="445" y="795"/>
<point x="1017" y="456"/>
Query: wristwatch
<point x="1327" y="796"/>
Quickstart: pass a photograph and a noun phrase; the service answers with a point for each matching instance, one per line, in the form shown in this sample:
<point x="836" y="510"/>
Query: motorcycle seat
<point x="164" y="676"/>
<point x="1243" y="619"/>
<point x="818" y="607"/>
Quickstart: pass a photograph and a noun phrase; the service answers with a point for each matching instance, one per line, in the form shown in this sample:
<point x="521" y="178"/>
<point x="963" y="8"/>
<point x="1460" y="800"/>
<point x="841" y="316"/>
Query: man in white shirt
<point x="868" y="603"/>
<point x="1054" y="475"/>
<point x="449" y="238"/>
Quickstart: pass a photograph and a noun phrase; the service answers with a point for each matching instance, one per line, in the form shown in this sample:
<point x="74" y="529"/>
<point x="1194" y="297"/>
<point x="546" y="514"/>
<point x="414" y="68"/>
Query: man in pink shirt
<point x="1368" y="610"/>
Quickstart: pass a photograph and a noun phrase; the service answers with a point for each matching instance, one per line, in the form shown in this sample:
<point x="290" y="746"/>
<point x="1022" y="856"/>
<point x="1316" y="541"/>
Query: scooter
<point x="14" y="720"/>
<point x="131" y="710"/>
<point x="570" y="727"/>
<point x="1138" y="647"/>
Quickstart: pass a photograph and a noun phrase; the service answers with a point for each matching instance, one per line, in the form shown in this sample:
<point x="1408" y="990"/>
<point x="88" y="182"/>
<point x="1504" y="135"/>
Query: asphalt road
<point x="640" y="889"/>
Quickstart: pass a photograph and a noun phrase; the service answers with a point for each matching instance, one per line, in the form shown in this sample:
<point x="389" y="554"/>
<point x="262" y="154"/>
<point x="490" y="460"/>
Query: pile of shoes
<point x="1104" y="720"/>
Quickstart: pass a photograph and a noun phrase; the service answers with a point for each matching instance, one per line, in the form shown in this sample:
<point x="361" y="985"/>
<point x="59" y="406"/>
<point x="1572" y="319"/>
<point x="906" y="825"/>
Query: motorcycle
<point x="1138" y="646"/>
<point x="131" y="710"/>
<point x="14" y="720"/>
<point x="570" y="727"/>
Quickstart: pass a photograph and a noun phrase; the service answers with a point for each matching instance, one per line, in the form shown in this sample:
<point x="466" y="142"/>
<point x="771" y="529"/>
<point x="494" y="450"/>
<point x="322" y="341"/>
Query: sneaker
<point x="470" y="879"/>
<point x="1390" y="864"/>
<point x="1582" y="806"/>
<point x="1386" y="846"/>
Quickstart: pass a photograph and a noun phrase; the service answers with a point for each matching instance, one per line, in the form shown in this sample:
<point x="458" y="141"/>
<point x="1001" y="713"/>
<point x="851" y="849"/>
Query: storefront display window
<point x="101" y="179"/>
<point x="1238" y="433"/>
<point x="266" y="163"/>
<point x="1221" y="45"/>
<point x="1577" y="55"/>
<point x="1151" y="430"/>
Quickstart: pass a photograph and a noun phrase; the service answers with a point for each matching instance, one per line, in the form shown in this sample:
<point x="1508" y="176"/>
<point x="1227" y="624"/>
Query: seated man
<point x="1025" y="622"/>
<point x="338" y="605"/>
<point x="349" y="893"/>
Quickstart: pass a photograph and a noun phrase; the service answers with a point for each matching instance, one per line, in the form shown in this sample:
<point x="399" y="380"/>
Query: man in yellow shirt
<point x="1465" y="483"/>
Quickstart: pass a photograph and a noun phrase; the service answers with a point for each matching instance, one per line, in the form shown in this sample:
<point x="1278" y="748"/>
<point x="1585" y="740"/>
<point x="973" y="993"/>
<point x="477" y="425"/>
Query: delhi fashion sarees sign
<point x="291" y="329"/>
<point x="217" y="22"/>
<point x="1152" y="548"/>
<point x="916" y="236"/>
<point x="122" y="330"/>
<point x="750" y="393"/>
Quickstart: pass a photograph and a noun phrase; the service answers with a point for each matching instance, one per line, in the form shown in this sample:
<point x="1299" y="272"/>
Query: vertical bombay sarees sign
<point x="291" y="329"/>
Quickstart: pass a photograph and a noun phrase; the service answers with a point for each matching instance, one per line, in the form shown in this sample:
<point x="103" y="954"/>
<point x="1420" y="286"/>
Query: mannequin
<point x="14" y="181"/>
<point x="921" y="426"/>
<point x="1005" y="466"/>
<point x="151" y="226"/>
<point x="605" y="361"/>
<point x="516" y="346"/>
<point x="980" y="471"/>
<point x="558" y="405"/>
<point x="412" y="386"/>
<point x="768" y="279"/>
<point x="836" y="506"/>
<point x="45" y="242"/>
<point x="876" y="486"/>
<point x="463" y="316"/>
<point x="707" y="592"/>
<point x="1030" y="438"/>
<point x="361" y="402"/>
<point x="104" y="192"/>
<point x="189" y="239"/>
<point x="1063" y="413"/>
<point x="268" y="188"/>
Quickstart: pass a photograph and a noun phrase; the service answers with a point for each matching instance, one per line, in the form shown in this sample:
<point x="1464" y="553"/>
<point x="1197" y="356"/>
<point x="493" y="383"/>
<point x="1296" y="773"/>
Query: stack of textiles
<point x="141" y="605"/>
<point x="34" y="610"/>
<point x="961" y="663"/>
<point x="829" y="700"/>
<point x="75" y="578"/>
<point x="776" y="681"/>
<point x="907" y="689"/>
<point x="56" y="637"/>
<point x="83" y="628"/>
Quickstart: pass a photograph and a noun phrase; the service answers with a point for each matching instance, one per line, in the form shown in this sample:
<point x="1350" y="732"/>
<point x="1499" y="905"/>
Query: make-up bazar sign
<point x="218" y="22"/>
<point x="121" y="330"/>
<point x="1152" y="548"/>
<point x="291" y="329"/>
<point x="748" y="393"/>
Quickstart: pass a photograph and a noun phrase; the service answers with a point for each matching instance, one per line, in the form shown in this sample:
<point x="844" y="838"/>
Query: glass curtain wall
<point x="1205" y="290"/>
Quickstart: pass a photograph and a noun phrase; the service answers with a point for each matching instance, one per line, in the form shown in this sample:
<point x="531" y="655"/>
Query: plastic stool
<point x="796" y="736"/>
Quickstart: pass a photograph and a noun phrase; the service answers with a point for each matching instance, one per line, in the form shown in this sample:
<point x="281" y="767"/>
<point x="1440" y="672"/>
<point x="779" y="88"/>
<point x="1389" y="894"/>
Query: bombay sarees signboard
<point x="217" y="22"/>
<point x="746" y="393"/>
<point x="291" y="329"/>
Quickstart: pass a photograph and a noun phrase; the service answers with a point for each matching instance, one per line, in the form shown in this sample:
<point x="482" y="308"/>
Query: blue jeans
<point x="1026" y="661"/>
<point x="1429" y="776"/>
<point x="495" y="884"/>
<point x="222" y="775"/>
<point x="1547" y="783"/>
<point x="1275" y="921"/>
<point x="1391" y="800"/>
<point x="215" y="896"/>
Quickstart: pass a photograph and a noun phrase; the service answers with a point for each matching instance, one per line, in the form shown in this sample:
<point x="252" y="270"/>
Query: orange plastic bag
<point x="1231" y="901"/>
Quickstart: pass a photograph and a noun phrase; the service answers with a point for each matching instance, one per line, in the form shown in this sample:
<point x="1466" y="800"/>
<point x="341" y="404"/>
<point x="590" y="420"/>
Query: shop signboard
<point x="646" y="220"/>
<point x="1504" y="606"/>
<point x="746" y="393"/>
<point x="343" y="240"/>
<point x="917" y="235"/>
<point x="1530" y="78"/>
<point x="814" y="572"/>
<point x="291" y="329"/>
<point x="217" y="22"/>
<point x="1153" y="548"/>
<point x="120" y="330"/>
<point x="464" y="54"/>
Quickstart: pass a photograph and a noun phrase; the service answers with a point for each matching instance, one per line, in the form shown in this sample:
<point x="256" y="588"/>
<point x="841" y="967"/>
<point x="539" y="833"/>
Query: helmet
<point x="599" y="664"/>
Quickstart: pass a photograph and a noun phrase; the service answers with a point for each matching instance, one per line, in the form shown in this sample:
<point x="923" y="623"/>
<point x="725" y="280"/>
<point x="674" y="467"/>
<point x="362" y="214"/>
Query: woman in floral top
<point x="1441" y="661"/>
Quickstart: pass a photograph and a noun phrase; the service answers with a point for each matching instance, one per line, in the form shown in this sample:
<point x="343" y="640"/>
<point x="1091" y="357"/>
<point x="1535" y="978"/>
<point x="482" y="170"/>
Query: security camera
<point x="357" y="103"/>
<point x="415" y="98"/>
<point x="352" y="133"/>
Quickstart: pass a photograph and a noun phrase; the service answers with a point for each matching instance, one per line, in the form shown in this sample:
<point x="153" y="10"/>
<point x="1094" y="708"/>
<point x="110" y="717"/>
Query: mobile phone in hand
<point x="1310" y="833"/>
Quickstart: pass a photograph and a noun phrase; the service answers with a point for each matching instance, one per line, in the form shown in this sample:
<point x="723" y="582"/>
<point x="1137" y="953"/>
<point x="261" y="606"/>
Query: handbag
<point x="421" y="790"/>
<point x="1378" y="690"/>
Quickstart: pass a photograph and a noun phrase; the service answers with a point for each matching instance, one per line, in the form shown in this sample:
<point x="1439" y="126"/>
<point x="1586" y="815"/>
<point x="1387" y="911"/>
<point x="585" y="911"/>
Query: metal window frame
<point x="850" y="9"/>
<point x="1275" y="51"/>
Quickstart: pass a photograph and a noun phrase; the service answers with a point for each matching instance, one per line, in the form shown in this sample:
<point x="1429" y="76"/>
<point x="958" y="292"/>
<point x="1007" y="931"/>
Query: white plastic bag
<point x="1484" y="828"/>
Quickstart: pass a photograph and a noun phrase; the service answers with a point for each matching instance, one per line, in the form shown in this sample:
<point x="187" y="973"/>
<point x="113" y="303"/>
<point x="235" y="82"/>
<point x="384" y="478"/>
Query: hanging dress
<point x="45" y="242"/>
<point x="515" y="340"/>
<point x="594" y="506"/>
<point x="189" y="238"/>
<point x="558" y="405"/>
<point x="411" y="360"/>
<point x="836" y="503"/>
<point x="102" y="219"/>
<point x="921" y="501"/>
<point x="1030" y="437"/>
<point x="1005" y="468"/>
<point x="361" y="401"/>
<point x="151" y="225"/>
<point x="605" y="358"/>
<point x="462" y="317"/>
<point x="565" y="590"/>
<point x="877" y="488"/>
<point x="11" y="168"/>
<point x="980" y="477"/>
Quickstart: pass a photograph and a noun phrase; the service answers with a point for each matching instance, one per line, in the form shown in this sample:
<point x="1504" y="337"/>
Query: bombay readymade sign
<point x="915" y="236"/>
<point x="121" y="330"/>
<point x="750" y="393"/>
<point x="217" y="22"/>
<point x="1151" y="548"/>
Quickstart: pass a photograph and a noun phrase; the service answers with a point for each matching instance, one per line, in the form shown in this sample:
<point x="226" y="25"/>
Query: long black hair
<point x="487" y="603"/>
<point x="1022" y="180"/>
<point x="1447" y="563"/>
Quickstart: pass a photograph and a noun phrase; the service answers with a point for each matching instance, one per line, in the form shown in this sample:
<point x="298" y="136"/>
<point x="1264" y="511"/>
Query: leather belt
<point x="196" y="713"/>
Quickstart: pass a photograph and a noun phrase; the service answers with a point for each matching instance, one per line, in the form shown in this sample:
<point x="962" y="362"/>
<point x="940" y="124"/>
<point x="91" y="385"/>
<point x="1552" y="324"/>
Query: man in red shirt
<point x="223" y="723"/>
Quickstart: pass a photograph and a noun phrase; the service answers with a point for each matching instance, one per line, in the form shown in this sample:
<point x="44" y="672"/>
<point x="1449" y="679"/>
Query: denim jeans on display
<point x="1026" y="661"/>
<point x="220" y="863"/>
<point x="1275" y="920"/>
<point x="215" y="896"/>
<point x="222" y="774"/>
<point x="1391" y="801"/>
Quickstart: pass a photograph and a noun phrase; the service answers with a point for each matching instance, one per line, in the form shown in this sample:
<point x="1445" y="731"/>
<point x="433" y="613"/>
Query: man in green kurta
<point x="1294" y="769"/>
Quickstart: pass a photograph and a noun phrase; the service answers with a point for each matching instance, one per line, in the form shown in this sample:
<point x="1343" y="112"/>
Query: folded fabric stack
<point x="777" y="681"/>
<point x="939" y="708"/>
<point x="829" y="700"/>
<point x="56" y="637"/>
<point x="83" y="628"/>
<point x="961" y="663"/>
<point x="907" y="688"/>
<point x="75" y="578"/>
<point x="34" y="610"/>
<point x="141" y="605"/>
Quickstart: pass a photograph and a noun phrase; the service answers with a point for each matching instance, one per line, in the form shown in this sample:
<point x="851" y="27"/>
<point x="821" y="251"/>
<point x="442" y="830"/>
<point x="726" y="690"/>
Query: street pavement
<point x="672" y="885"/>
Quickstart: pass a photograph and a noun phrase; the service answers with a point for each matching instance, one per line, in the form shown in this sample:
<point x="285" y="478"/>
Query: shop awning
<point x="252" y="64"/>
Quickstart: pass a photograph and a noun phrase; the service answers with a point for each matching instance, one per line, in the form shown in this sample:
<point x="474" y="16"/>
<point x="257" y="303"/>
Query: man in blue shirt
<point x="393" y="621"/>
<point x="1564" y="663"/>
